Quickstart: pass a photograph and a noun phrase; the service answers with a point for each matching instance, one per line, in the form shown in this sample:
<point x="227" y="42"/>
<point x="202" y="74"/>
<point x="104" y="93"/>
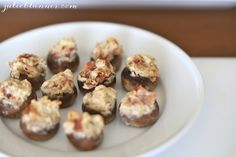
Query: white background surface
<point x="213" y="134"/>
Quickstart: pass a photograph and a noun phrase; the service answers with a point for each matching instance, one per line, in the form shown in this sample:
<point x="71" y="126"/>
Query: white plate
<point x="180" y="91"/>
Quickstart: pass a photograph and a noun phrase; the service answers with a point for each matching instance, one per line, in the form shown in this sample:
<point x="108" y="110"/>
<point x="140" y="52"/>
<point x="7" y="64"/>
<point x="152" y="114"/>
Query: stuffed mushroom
<point x="63" y="56"/>
<point x="41" y="119"/>
<point x="139" y="108"/>
<point x="15" y="96"/>
<point x="140" y="70"/>
<point x="110" y="50"/>
<point x="61" y="87"/>
<point x="30" y="67"/>
<point x="101" y="101"/>
<point x="83" y="130"/>
<point x="94" y="73"/>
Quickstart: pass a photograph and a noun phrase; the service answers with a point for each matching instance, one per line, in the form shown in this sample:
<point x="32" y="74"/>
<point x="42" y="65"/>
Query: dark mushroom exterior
<point x="56" y="67"/>
<point x="41" y="135"/>
<point x="131" y="82"/>
<point x="85" y="144"/>
<point x="143" y="121"/>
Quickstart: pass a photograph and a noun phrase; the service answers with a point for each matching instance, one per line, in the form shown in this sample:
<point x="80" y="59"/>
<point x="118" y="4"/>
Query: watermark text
<point x="31" y="5"/>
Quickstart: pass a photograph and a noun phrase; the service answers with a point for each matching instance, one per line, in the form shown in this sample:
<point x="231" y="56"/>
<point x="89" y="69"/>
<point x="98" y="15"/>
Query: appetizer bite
<point x="140" y="70"/>
<point x="139" y="108"/>
<point x="30" y="67"/>
<point x="83" y="130"/>
<point x="41" y="119"/>
<point x="63" y="56"/>
<point x="101" y="101"/>
<point x="95" y="73"/>
<point x="61" y="87"/>
<point x="15" y="95"/>
<point x="110" y="50"/>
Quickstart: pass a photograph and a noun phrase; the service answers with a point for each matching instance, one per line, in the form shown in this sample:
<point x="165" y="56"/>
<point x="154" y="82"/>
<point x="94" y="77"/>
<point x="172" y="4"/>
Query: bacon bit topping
<point x="71" y="50"/>
<point x="90" y="65"/>
<point x="78" y="125"/>
<point x="26" y="55"/>
<point x="137" y="60"/>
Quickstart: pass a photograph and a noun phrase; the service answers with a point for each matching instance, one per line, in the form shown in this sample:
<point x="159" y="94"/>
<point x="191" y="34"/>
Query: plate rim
<point x="179" y="134"/>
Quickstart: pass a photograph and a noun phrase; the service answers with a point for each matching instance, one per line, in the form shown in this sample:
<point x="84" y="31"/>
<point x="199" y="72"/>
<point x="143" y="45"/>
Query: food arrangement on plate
<point x="40" y="117"/>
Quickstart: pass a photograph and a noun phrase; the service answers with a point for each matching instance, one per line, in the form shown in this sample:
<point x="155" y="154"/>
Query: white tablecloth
<point x="214" y="133"/>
